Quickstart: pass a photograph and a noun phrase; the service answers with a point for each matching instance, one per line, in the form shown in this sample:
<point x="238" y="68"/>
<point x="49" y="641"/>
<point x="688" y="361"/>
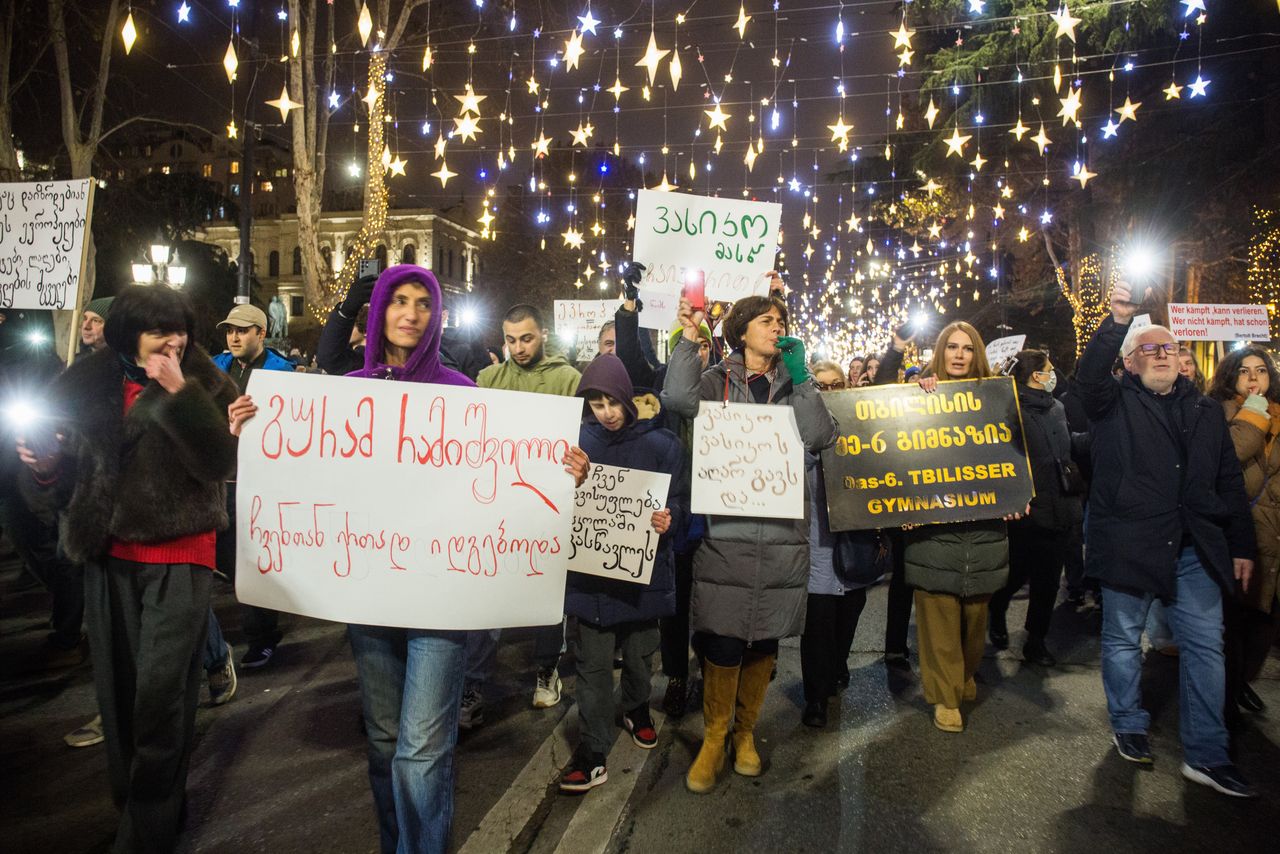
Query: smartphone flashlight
<point x="695" y="289"/>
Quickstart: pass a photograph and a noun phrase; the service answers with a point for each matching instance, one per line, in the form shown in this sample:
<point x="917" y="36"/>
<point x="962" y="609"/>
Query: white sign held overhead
<point x="43" y="227"/>
<point x="581" y="320"/>
<point x="404" y="504"/>
<point x="1002" y="350"/>
<point x="660" y="309"/>
<point x="733" y="241"/>
<point x="613" y="535"/>
<point x="1215" y="322"/>
<point x="748" y="460"/>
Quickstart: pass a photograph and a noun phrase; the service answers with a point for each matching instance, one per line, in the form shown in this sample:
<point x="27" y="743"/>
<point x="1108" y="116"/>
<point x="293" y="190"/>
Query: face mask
<point x="1051" y="383"/>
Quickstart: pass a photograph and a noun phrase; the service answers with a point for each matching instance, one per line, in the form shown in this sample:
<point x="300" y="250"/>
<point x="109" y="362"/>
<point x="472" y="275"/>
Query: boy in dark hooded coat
<point x="620" y="429"/>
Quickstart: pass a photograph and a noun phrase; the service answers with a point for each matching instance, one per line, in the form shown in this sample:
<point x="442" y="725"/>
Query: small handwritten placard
<point x="612" y="533"/>
<point x="404" y="504"/>
<point x="748" y="460"/>
<point x="733" y="242"/>
<point x="583" y="319"/>
<point x="42" y="240"/>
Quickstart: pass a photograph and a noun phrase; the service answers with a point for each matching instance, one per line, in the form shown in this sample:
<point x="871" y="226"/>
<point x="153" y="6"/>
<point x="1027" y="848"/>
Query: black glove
<point x="631" y="276"/>
<point x="359" y="295"/>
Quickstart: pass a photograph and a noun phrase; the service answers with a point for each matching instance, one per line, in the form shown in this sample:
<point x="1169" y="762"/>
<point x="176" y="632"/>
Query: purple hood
<point x="423" y="365"/>
<point x="606" y="373"/>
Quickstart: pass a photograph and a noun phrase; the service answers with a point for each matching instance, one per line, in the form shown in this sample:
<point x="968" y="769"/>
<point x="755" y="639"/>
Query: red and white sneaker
<point x="585" y="772"/>
<point x="638" y="723"/>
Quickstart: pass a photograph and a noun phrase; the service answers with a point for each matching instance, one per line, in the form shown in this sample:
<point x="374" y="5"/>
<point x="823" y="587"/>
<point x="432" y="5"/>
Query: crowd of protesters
<point x="1151" y="492"/>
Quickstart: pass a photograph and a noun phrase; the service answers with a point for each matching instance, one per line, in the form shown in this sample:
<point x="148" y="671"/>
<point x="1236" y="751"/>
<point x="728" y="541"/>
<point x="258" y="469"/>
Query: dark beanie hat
<point x="608" y="375"/>
<point x="100" y="306"/>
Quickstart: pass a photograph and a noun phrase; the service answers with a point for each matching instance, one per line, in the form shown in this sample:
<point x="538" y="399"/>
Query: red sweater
<point x="199" y="549"/>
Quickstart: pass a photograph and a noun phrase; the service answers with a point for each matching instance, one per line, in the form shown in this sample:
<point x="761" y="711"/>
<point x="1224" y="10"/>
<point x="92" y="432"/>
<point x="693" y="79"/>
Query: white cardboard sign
<point x="43" y="225"/>
<point x="404" y="504"/>
<point x="733" y="241"/>
<point x="1217" y="322"/>
<point x="613" y="535"/>
<point x="661" y="309"/>
<point x="748" y="460"/>
<point x="1002" y="350"/>
<point x="583" y="319"/>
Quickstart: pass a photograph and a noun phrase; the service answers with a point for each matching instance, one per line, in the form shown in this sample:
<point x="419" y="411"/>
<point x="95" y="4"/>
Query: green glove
<point x="1256" y="403"/>
<point x="792" y="350"/>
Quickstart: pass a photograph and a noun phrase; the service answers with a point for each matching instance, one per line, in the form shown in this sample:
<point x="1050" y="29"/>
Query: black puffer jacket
<point x="1044" y="423"/>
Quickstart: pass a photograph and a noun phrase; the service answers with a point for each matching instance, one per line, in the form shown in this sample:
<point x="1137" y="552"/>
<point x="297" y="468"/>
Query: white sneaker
<point x="87" y="735"/>
<point x="547" y="692"/>
<point x="222" y="682"/>
<point x="471" y="712"/>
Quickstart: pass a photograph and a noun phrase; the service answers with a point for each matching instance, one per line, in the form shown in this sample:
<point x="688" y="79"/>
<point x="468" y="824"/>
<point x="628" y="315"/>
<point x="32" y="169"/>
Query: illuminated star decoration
<point x="284" y="104"/>
<point x="904" y="58"/>
<point x="573" y="50"/>
<point x="931" y="186"/>
<point x="588" y="23"/>
<point x="956" y="143"/>
<point x="840" y="132"/>
<point x="1192" y="6"/>
<point x="128" y="34"/>
<point x="1066" y="23"/>
<point x="1109" y="129"/>
<point x="976" y="6"/>
<point x="935" y="230"/>
<point x="364" y="24"/>
<point x="1023" y="234"/>
<point x="750" y="157"/>
<point x="469" y="101"/>
<point x="396" y="166"/>
<point x="978" y="162"/>
<point x="854" y="223"/>
<point x="1082" y="174"/>
<point x="533" y="85"/>
<point x="444" y="173"/>
<point x="572" y="238"/>
<point x="674" y="68"/>
<point x="230" y="63"/>
<point x="652" y="58"/>
<point x="997" y="210"/>
<point x="931" y="113"/>
<point x="1174" y="91"/>
<point x="582" y="134"/>
<point x="466" y="127"/>
<point x="1127" y="110"/>
<point x="441" y="142"/>
<point x="617" y="88"/>
<point x="539" y="146"/>
<point x="1041" y="139"/>
<point x="1019" y="130"/>
<point x="741" y="25"/>
<point x="232" y="133"/>
<point x="717" y="117"/>
<point x="1198" y="86"/>
<point x="184" y="13"/>
<point x="333" y="101"/>
<point x="371" y="97"/>
<point x="902" y="38"/>
<point x="1070" y="108"/>
<point x="485" y="219"/>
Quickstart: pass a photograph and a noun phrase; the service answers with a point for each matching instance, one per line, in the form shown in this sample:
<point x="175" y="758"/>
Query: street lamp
<point x="156" y="269"/>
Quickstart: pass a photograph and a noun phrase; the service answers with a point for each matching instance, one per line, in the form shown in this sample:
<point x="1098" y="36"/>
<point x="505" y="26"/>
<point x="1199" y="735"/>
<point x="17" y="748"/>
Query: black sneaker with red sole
<point x="638" y="723"/>
<point x="584" y="773"/>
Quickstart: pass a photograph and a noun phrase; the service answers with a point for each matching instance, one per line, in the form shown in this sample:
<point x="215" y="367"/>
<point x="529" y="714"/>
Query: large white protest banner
<point x="1213" y="322"/>
<point x="733" y="241"/>
<point x="404" y="504"/>
<point x="580" y="320"/>
<point x="43" y="225"/>
<point x="612" y="532"/>
<point x="748" y="460"/>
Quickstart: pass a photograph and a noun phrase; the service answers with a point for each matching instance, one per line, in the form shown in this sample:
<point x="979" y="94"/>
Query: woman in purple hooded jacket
<point x="410" y="679"/>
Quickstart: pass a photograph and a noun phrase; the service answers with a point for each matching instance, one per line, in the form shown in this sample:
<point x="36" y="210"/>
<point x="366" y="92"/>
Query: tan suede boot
<point x="719" y="688"/>
<point x="752" y="686"/>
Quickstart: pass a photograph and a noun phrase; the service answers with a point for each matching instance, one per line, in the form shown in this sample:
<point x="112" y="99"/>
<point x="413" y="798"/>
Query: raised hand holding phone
<point x="1123" y="306"/>
<point x="695" y="289"/>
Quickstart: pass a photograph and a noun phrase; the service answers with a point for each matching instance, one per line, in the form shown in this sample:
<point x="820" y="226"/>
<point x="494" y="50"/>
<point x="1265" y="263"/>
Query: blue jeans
<point x="1195" y="616"/>
<point x="215" y="646"/>
<point x="410" y="688"/>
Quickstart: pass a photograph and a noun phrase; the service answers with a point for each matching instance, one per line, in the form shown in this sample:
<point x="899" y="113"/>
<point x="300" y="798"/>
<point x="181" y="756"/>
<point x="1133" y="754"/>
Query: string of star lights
<point x="997" y="119"/>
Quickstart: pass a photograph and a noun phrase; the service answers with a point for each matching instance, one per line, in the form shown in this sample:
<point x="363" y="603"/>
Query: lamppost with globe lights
<point x="159" y="269"/>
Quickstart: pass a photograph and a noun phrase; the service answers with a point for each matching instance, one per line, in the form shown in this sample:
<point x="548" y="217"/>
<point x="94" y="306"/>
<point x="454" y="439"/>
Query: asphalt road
<point x="281" y="768"/>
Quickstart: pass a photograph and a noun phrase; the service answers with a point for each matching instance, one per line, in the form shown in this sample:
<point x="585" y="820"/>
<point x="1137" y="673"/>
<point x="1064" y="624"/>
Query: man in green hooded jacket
<point x="529" y="368"/>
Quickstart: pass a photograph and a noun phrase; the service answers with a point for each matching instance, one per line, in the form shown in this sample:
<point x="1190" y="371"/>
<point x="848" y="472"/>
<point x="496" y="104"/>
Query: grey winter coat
<point x="749" y="575"/>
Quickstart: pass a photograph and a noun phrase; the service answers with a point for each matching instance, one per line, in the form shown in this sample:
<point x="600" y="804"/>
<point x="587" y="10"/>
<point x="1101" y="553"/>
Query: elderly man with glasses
<point x="1168" y="520"/>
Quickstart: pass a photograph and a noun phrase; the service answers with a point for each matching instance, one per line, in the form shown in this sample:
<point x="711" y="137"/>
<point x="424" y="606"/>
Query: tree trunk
<point x="374" y="224"/>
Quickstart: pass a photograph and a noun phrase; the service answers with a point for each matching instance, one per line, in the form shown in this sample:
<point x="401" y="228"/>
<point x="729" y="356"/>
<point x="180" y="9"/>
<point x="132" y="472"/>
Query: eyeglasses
<point x="1153" y="349"/>
<point x="830" y="386"/>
